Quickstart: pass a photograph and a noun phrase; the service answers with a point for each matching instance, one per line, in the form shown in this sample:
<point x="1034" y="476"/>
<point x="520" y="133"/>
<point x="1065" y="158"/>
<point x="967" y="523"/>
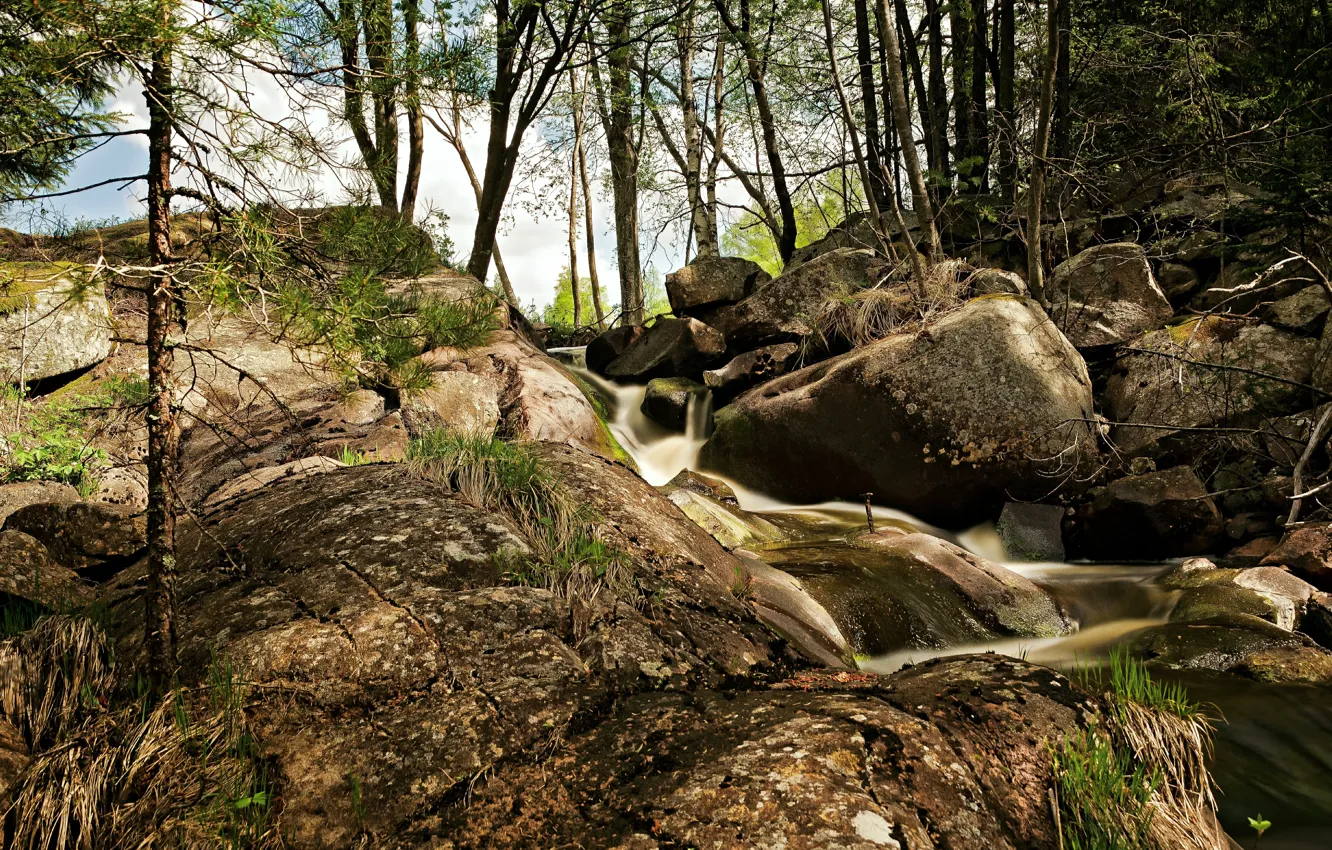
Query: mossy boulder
<point x="946" y="422"/>
<point x="667" y="401"/>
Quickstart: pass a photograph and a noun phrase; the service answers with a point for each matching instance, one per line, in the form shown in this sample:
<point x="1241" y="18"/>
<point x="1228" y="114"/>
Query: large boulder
<point x="1259" y="275"/>
<point x="93" y="538"/>
<point x="713" y="280"/>
<point x="750" y="368"/>
<point x="671" y="348"/>
<point x="54" y="319"/>
<point x="943" y="422"/>
<point x="1147" y="517"/>
<point x="1302" y="313"/>
<point x="1203" y="373"/>
<point x="610" y="344"/>
<point x="1322" y="367"/>
<point x="458" y="401"/>
<point x="997" y="282"/>
<point x="781" y="311"/>
<point x="1032" y="532"/>
<point x="1106" y="295"/>
<point x="895" y="591"/>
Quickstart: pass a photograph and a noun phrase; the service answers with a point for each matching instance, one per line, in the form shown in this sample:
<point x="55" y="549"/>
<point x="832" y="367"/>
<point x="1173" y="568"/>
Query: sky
<point x="534" y="248"/>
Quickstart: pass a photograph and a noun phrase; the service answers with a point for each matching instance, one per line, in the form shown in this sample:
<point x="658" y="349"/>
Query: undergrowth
<point x="112" y="768"/>
<point x="1139" y="780"/>
<point x="568" y="555"/>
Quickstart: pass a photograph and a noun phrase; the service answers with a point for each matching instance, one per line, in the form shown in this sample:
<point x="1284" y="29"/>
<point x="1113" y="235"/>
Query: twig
<point x="869" y="512"/>
<point x="1314" y="439"/>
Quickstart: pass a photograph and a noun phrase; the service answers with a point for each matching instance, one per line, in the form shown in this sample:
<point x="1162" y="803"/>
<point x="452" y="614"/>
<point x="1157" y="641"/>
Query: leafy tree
<point x="748" y="238"/>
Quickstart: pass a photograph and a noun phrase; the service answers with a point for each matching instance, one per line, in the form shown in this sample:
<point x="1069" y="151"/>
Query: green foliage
<point x="1127" y="680"/>
<point x="750" y="238"/>
<point x="1104" y="797"/>
<point x="351" y="457"/>
<point x="559" y="313"/>
<point x="1259" y="825"/>
<point x="370" y="240"/>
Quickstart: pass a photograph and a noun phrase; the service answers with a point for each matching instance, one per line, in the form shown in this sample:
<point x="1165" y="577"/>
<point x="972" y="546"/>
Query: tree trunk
<point x="718" y="134"/>
<point x="920" y="195"/>
<point x="573" y="206"/>
<point x="160" y="598"/>
<point x="1063" y="82"/>
<point x="938" y="94"/>
<point x="1006" y="94"/>
<point x="912" y="70"/>
<point x="869" y="102"/>
<point x="959" y="34"/>
<point x="702" y="228"/>
<point x="1040" y="147"/>
<point x="624" y="163"/>
<point x="411" y="14"/>
<point x="979" y="131"/>
<point x="593" y="277"/>
<point x="786" y="238"/>
<point x="377" y="26"/>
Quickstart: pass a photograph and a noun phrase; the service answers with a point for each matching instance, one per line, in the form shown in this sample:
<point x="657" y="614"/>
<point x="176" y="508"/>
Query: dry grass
<point x="179" y="774"/>
<point x="890" y="307"/>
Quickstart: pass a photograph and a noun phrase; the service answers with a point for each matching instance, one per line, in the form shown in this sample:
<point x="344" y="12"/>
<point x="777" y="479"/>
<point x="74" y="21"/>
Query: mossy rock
<point x="1204" y="604"/>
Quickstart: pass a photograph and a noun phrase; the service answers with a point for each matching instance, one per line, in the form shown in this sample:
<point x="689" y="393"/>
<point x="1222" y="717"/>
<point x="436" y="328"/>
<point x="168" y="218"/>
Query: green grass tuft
<point x="1127" y="679"/>
<point x="1104" y="798"/>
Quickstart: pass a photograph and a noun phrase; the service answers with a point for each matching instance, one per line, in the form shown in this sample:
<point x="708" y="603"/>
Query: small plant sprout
<point x="1259" y="825"/>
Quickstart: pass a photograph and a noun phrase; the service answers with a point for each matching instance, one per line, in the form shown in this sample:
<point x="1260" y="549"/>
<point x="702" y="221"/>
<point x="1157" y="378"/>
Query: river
<point x="1273" y="743"/>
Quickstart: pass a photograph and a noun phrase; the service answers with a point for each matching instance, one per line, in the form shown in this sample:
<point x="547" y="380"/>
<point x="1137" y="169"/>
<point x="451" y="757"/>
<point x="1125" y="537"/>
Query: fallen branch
<point x="1315" y="438"/>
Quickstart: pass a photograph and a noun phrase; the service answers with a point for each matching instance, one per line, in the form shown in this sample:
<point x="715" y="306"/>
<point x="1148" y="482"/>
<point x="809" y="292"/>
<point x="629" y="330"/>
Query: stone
<point x="1189" y="376"/>
<point x="362" y="407"/>
<point x="997" y="281"/>
<point x="1249" y="554"/>
<point x="20" y="494"/>
<point x="1285" y="439"/>
<point x="1150" y="517"/>
<point x="897" y="591"/>
<point x="92" y="538"/>
<point x="1317" y="620"/>
<point x="1032" y="532"/>
<point x="713" y="280"/>
<point x="704" y="485"/>
<point x="1321" y="376"/>
<point x="1303" y="313"/>
<point x="262" y="477"/>
<point x="711" y="510"/>
<point x="456" y="401"/>
<point x="609" y="345"/>
<point x="1178" y="282"/>
<point x="1201" y="245"/>
<point x="946" y="423"/>
<point x="781" y="311"/>
<point x="1106" y="295"/>
<point x="749" y="369"/>
<point x="1307" y="552"/>
<point x="667" y="401"/>
<point x="123" y="486"/>
<point x="27" y="571"/>
<point x="54" y="319"/>
<point x="671" y="348"/>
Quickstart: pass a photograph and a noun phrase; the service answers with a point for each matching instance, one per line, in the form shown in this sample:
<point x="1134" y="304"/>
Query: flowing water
<point x="1274" y="743"/>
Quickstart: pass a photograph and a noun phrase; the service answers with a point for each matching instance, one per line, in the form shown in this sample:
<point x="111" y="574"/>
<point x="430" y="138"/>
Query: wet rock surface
<point x="668" y="400"/>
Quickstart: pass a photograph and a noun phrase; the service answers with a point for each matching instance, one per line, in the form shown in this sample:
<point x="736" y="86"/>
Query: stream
<point x="1273" y="743"/>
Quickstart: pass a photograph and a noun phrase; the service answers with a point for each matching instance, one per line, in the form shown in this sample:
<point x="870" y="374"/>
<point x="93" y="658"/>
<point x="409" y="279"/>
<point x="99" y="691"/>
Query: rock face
<point x="666" y="401"/>
<point x="455" y="401"/>
<point x="1301" y="313"/>
<point x="709" y="281"/>
<point x="53" y="320"/>
<point x="748" y="369"/>
<point x="781" y="310"/>
<point x="1147" y="517"/>
<point x="609" y="345"/>
<point x="897" y="591"/>
<point x="941" y="423"/>
<point x="1202" y="373"/>
<point x="1107" y="295"/>
<point x="671" y="348"/>
<point x="94" y="538"/>
<point x="1307" y="552"/>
